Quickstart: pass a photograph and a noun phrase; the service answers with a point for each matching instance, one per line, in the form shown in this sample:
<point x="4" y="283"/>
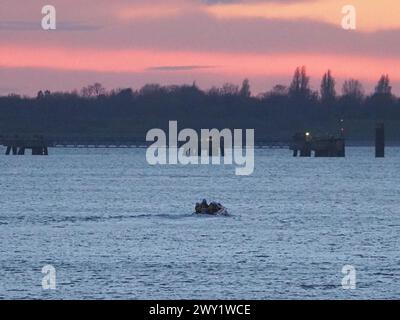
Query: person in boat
<point x="204" y="204"/>
<point x="197" y="207"/>
<point x="205" y="208"/>
<point x="213" y="208"/>
<point x="202" y="207"/>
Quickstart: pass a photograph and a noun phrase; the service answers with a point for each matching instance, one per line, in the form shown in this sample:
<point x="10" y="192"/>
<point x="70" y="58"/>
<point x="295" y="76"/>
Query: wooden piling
<point x="341" y="147"/>
<point x="380" y="141"/>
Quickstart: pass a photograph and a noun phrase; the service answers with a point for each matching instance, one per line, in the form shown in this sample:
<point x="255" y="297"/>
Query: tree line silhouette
<point x="275" y="115"/>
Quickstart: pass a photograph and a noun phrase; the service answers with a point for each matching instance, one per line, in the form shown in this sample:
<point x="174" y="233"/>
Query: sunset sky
<point x="127" y="43"/>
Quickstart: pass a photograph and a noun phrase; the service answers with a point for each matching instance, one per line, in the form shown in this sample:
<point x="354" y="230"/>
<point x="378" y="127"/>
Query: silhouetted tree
<point x="125" y="93"/>
<point x="245" y="89"/>
<point x="353" y="89"/>
<point x="94" y="90"/>
<point x="98" y="89"/>
<point x="300" y="86"/>
<point x="381" y="102"/>
<point x="280" y="90"/>
<point x="149" y="89"/>
<point x="214" y="91"/>
<point x="328" y="91"/>
<point x="277" y="92"/>
<point x="85" y="92"/>
<point x="40" y="95"/>
<point x="230" y="89"/>
<point x="383" y="87"/>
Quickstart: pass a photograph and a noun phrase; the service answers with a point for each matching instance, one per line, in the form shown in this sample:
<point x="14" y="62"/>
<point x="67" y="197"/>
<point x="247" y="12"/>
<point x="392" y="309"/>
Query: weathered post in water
<point x="380" y="141"/>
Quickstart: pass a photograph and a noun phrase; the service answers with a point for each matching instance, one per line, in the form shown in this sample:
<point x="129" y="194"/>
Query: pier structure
<point x="39" y="145"/>
<point x="18" y="146"/>
<point x="304" y="144"/>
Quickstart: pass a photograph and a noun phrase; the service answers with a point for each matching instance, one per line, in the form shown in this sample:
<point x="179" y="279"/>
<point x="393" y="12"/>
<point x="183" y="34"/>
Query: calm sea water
<point x="117" y="228"/>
